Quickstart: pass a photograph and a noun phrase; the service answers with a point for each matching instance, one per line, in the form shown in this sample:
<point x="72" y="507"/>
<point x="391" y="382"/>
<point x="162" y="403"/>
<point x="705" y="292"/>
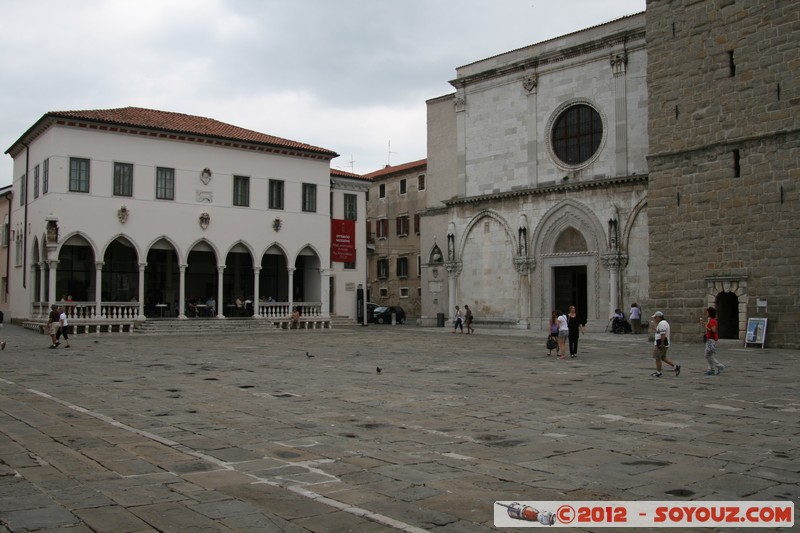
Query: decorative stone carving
<point x="52" y="231"/>
<point x="619" y="61"/>
<point x="460" y="102"/>
<point x="277" y="224"/>
<point x="123" y="213"/>
<point x="530" y="82"/>
<point x="205" y="176"/>
<point x="614" y="261"/>
<point x="204" y="196"/>
<point x="204" y="220"/>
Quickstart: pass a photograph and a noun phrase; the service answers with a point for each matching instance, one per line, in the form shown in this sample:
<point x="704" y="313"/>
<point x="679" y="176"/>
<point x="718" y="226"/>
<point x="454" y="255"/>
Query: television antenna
<point x="389" y="154"/>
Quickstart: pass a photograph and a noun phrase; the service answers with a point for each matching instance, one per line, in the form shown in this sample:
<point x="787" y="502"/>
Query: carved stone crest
<point x="205" y="176"/>
<point x="123" y="213"/>
<point x="530" y="82"/>
<point x="205" y="220"/>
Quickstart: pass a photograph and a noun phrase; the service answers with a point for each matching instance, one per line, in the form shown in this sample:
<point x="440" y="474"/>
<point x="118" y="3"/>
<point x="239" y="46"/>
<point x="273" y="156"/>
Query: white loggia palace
<point x="134" y="212"/>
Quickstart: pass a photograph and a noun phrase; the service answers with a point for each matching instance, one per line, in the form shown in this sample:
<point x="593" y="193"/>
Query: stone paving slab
<point x="223" y="433"/>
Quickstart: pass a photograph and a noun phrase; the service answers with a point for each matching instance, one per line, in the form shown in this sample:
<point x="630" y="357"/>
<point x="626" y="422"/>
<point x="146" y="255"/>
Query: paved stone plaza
<point x="219" y="433"/>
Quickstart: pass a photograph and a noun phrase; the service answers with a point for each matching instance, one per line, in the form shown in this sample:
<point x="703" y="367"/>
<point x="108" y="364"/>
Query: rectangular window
<point x="384" y="292"/>
<point x="402" y="267"/>
<point x="419" y="265"/>
<point x="36" y="181"/>
<point x="350" y="207"/>
<point x="382" y="190"/>
<point x="241" y="191"/>
<point x="402" y="225"/>
<point x="6" y="230"/>
<point x="350" y="266"/>
<point x="275" y="194"/>
<point x="403" y="186"/>
<point x="403" y="292"/>
<point x="22" y="181"/>
<point x="382" y="228"/>
<point x="421" y="182"/>
<point x="383" y="268"/>
<point x="123" y="179"/>
<point x="309" y="198"/>
<point x="78" y="174"/>
<point x="416" y="223"/>
<point x="165" y="183"/>
<point x="45" y="175"/>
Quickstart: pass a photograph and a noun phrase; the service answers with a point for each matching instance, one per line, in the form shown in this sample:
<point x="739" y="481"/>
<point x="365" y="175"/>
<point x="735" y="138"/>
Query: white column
<point x="98" y="288"/>
<point x="142" y="266"/>
<point x="182" y="292"/>
<point x="52" y="267"/>
<point x="325" y="279"/>
<point x="452" y="276"/>
<point x="42" y="276"/>
<point x="220" y="270"/>
<point x="290" y="270"/>
<point x="256" y="290"/>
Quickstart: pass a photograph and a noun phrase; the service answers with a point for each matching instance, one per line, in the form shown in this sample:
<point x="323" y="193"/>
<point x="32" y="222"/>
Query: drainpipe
<point x="10" y="198"/>
<point x="25" y="220"/>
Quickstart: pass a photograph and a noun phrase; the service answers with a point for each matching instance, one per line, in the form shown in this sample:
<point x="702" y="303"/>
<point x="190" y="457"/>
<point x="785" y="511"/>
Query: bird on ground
<point x="309" y="354"/>
<point x="378" y="369"/>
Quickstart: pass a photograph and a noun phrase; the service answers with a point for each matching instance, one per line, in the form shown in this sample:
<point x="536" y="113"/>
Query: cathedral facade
<point x="537" y="187"/>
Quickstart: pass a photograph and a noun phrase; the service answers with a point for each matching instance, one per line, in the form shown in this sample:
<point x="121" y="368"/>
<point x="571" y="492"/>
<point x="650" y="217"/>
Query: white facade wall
<point x="94" y="215"/>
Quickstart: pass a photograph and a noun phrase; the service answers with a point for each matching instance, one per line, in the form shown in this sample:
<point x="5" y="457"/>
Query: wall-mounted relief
<point x="123" y="213"/>
<point x="277" y="224"/>
<point x="205" y="220"/>
<point x="205" y="176"/>
<point x="206" y="197"/>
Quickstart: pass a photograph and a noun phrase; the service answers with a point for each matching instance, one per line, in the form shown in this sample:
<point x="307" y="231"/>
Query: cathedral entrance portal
<point x="569" y="288"/>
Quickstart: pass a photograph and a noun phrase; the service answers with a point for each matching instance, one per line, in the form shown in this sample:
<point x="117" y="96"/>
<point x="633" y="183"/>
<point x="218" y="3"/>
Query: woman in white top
<point x="563" y="333"/>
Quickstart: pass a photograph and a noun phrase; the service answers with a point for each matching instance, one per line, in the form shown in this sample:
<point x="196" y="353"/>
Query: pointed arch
<point x="74" y="239"/>
<point x="153" y="242"/>
<point x="201" y="243"/>
<point x="486" y="213"/>
<point x="129" y="240"/>
<point x="630" y="222"/>
<point x="568" y="213"/>
<point x="238" y="245"/>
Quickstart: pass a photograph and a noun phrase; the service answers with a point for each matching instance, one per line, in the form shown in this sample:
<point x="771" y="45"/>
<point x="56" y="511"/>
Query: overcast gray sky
<point x="347" y="75"/>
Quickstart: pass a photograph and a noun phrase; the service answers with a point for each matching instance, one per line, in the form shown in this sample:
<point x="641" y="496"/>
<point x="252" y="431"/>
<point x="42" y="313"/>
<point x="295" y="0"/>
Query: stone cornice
<point x="603" y="183"/>
<point x="536" y="62"/>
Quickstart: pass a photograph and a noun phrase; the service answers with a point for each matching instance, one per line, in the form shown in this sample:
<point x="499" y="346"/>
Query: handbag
<point x="551" y="343"/>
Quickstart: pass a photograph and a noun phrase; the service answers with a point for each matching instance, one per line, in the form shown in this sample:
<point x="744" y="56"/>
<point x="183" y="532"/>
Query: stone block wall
<point x="724" y="128"/>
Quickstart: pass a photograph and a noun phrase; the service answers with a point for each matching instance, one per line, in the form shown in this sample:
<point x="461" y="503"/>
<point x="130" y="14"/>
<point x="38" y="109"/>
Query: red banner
<point x="343" y="241"/>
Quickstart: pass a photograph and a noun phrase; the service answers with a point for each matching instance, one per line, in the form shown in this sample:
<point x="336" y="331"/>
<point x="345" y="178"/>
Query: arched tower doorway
<point x="727" y="304"/>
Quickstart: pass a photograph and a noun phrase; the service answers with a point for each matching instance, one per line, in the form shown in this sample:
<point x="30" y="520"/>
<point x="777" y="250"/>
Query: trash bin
<point x="440" y="320"/>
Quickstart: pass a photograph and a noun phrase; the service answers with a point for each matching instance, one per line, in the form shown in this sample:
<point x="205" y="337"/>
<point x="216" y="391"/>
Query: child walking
<point x="715" y="368"/>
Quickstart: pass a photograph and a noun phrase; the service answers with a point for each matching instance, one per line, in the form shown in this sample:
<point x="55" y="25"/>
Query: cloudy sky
<point x="347" y="75"/>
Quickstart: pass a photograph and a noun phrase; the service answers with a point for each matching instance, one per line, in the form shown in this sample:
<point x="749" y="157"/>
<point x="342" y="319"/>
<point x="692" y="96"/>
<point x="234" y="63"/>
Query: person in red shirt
<point x="715" y="368"/>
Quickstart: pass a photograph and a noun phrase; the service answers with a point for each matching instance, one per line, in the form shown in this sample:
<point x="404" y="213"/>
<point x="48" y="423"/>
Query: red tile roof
<point x="335" y="172"/>
<point x="167" y="121"/>
<point x="397" y="169"/>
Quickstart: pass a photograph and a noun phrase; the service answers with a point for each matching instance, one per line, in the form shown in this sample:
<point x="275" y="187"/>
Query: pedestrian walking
<point x="635" y="317"/>
<point x="662" y="345"/>
<point x="468" y="319"/>
<point x="563" y="333"/>
<point x="63" y="328"/>
<point x="575" y="326"/>
<point x="458" y="321"/>
<point x="53" y="320"/>
<point x="2" y="337"/>
<point x="715" y="368"/>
